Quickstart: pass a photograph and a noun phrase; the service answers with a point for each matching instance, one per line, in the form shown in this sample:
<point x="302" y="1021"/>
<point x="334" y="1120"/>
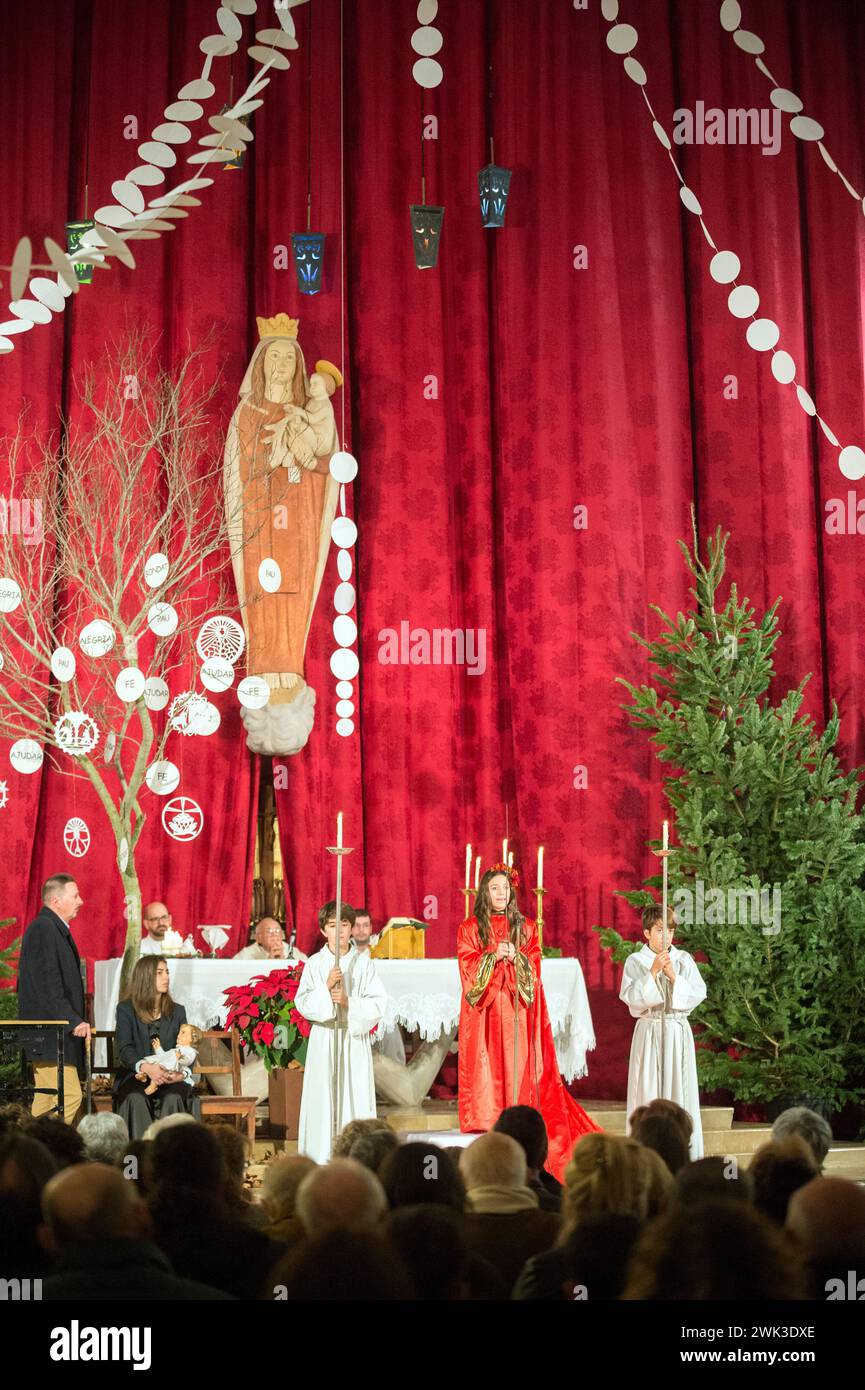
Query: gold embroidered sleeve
<point x="526" y="979"/>
<point x="484" y="975"/>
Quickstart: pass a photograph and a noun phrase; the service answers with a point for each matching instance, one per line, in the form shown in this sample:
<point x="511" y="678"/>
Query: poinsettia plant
<point x="265" y="1015"/>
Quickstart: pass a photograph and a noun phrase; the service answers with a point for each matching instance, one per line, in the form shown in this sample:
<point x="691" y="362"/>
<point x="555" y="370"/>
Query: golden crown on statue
<point x="281" y="326"/>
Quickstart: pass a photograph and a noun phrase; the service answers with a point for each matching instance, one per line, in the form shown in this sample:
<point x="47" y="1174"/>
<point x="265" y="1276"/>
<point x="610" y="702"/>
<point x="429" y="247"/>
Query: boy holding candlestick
<point x="661" y="985"/>
<point x="343" y="1003"/>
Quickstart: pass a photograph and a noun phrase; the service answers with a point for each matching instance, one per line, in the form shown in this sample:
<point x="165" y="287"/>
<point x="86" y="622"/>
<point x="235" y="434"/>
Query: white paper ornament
<point x="345" y="708"/>
<point x="162" y="619"/>
<point x="63" y="664"/>
<point x="427" y="73"/>
<point x="724" y="267"/>
<point x="344" y="597"/>
<point x="123" y="855"/>
<point x="76" y="733"/>
<point x="343" y="467"/>
<point x="97" y="638"/>
<point x="205" y="720"/>
<point x="851" y="461"/>
<point x="343" y="564"/>
<point x="253" y="692"/>
<point x="129" y="684"/>
<point x="344" y="532"/>
<point x="182" y="818"/>
<point x="344" y="690"/>
<point x="222" y="637"/>
<point x="76" y="837"/>
<point x="162" y="778"/>
<point x="217" y="675"/>
<point x="269" y="576"/>
<point x="155" y="570"/>
<point x="344" y="630"/>
<point x="10" y="595"/>
<point x="155" y="692"/>
<point x="183" y="710"/>
<point x="109" y="747"/>
<point x="344" y="664"/>
<point x="25" y="755"/>
<point x="344" y="727"/>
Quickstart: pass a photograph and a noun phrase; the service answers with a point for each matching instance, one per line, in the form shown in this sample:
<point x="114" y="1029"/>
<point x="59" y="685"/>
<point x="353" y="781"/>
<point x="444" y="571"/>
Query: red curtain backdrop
<point x="554" y="387"/>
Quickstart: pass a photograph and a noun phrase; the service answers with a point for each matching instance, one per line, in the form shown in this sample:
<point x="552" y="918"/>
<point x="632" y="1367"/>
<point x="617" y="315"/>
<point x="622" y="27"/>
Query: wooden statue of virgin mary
<point x="280" y="503"/>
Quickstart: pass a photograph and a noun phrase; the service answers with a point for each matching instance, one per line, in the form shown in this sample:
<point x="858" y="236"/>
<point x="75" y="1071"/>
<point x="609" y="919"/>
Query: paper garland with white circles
<point x="344" y="663"/>
<point x="426" y="40"/>
<point x="127" y="219"/>
<point x="762" y="335"/>
<point x="803" y="127"/>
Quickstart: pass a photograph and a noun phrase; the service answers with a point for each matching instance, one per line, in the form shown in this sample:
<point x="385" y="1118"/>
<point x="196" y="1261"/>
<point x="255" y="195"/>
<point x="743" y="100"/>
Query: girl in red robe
<point x="486" y="951"/>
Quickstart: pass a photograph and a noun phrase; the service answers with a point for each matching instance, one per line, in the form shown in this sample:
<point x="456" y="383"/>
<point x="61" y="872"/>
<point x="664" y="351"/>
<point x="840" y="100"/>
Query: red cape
<point x="486" y="1046"/>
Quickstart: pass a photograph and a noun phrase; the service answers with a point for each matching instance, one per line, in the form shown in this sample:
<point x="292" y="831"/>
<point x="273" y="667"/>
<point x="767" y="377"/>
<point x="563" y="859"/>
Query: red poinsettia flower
<point x="243" y="1021"/>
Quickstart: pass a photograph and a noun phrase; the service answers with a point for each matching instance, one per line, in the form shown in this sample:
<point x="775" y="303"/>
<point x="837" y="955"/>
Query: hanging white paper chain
<point x="743" y="301"/>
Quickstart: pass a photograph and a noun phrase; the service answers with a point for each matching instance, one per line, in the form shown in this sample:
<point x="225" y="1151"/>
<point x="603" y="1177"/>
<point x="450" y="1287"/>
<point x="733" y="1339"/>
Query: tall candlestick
<point x="339" y="830"/>
<point x="541" y="866"/>
<point x="468" y="865"/>
<point x="666" y="835"/>
<point x="477" y="873"/>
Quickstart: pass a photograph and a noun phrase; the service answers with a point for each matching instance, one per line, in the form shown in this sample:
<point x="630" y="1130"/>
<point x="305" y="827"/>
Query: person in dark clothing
<point x="526" y="1124"/>
<point x="591" y="1263"/>
<point x="148" y="1014"/>
<point x="50" y="987"/>
<point x="25" y="1168"/>
<point x="97" y="1227"/>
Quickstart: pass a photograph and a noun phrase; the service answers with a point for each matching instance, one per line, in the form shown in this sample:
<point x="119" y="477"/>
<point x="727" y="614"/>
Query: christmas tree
<point x="765" y="878"/>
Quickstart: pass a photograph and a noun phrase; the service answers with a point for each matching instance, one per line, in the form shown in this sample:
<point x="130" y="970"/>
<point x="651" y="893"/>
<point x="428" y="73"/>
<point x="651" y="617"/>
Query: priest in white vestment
<point x="648" y="972"/>
<point x="343" y="1007"/>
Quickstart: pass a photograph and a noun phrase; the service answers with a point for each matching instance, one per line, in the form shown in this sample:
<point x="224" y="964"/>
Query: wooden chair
<point x="235" y="1104"/>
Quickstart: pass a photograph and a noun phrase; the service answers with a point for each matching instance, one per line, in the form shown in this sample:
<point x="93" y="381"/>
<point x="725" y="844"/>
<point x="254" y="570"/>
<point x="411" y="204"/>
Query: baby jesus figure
<point x="307" y="431"/>
<point x="178" y="1058"/>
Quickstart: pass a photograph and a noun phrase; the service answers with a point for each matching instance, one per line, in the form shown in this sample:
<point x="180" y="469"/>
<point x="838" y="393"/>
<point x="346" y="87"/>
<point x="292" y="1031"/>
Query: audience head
<point x="346" y="1265"/>
<point x="279" y="1186"/>
<point x="187" y="1158"/>
<point x="420" y="1174"/>
<point x="664" y="1135"/>
<point x="777" y="1170"/>
<point x="430" y="1243"/>
<point x="665" y="1107"/>
<point x="493" y="1160"/>
<point x="809" y="1126"/>
<point x="728" y="1251"/>
<point x="60" y="893"/>
<point x="352" y="1131"/>
<point x="91" y="1202"/>
<point x="827" y="1217"/>
<point x="26" y="1165"/>
<point x="342" y="1196"/>
<point x="63" y="1142"/>
<point x="609" y="1173"/>
<point x="105" y="1138"/>
<point x="234" y="1147"/>
<point x="156" y="920"/>
<point x="599" y="1250"/>
<point x="372" y="1149"/>
<point x="713" y="1179"/>
<point x="175" y="1121"/>
<point x="526" y="1124"/>
<point x="12" y="1117"/>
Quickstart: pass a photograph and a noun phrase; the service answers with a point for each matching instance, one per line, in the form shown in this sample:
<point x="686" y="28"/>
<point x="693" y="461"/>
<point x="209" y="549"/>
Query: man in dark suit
<point x="50" y="986"/>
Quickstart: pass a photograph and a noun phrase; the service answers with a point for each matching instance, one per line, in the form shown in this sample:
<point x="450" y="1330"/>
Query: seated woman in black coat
<point x="146" y="1014"/>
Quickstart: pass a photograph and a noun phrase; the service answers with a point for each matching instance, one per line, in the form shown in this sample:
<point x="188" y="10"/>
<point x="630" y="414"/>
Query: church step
<point x="611" y="1116"/>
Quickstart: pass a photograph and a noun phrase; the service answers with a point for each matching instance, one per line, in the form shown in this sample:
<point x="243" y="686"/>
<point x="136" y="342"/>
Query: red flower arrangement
<point x="512" y="873"/>
<point x="266" y="1017"/>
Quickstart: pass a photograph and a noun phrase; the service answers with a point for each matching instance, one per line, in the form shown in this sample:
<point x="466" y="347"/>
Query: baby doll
<point x="179" y="1058"/>
<point x="308" y="432"/>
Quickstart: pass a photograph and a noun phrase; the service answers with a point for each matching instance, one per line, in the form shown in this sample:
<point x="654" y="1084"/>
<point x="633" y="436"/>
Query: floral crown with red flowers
<point x="511" y="873"/>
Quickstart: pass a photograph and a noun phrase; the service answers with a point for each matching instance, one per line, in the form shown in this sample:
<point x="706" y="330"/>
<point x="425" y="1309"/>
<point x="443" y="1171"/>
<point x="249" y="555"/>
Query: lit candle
<point x="477" y="872"/>
<point x="339" y="830"/>
<point x="468" y="865"/>
<point x="504" y="851"/>
<point x="541" y="867"/>
<point x="511" y="859"/>
<point x="666" y="835"/>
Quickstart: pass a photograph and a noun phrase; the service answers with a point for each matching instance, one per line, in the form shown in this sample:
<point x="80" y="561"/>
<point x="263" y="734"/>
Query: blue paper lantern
<point x="493" y="186"/>
<point x="426" y="226"/>
<point x="308" y="260"/>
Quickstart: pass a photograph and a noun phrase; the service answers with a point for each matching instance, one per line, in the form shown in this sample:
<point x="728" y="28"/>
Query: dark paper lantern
<point x="493" y="186"/>
<point x="426" y="226"/>
<point x="74" y="233"/>
<point x="308" y="260"/>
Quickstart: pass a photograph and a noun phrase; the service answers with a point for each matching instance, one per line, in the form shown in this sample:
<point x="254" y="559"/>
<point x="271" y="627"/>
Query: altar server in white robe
<point x="647" y="973"/>
<point x="343" y="1005"/>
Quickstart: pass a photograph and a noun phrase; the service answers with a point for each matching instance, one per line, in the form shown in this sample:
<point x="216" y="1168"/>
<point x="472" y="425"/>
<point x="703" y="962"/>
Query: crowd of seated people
<point x="95" y="1215"/>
